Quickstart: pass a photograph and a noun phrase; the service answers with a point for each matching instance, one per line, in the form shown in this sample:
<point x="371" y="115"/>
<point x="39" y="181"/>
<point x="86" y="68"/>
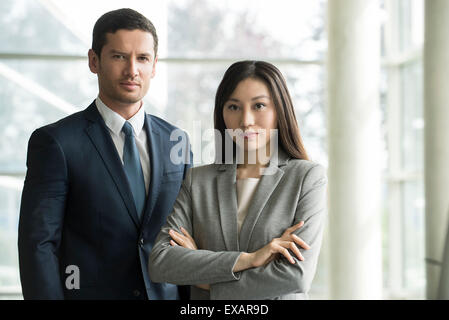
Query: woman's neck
<point x="251" y="167"/>
<point x="249" y="171"/>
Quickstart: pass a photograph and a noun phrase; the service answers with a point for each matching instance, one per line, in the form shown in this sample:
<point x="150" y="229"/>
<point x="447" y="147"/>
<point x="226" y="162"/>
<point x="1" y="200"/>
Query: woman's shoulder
<point x="206" y="168"/>
<point x="304" y="165"/>
<point x="305" y="168"/>
<point x="203" y="171"/>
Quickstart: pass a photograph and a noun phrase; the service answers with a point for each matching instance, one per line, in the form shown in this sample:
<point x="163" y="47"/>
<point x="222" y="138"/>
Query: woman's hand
<point x="280" y="246"/>
<point x="185" y="241"/>
<point x="271" y="251"/>
<point x="289" y="236"/>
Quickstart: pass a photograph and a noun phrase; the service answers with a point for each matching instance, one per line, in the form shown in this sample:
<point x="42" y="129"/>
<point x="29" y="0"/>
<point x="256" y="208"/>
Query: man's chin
<point x="128" y="99"/>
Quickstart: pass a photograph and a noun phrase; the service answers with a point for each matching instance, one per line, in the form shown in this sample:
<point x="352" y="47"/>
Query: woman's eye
<point x="259" y="106"/>
<point x="233" y="107"/>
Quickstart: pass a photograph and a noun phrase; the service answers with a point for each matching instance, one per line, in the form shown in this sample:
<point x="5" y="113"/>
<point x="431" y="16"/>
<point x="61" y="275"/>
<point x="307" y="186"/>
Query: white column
<point x="354" y="149"/>
<point x="436" y="117"/>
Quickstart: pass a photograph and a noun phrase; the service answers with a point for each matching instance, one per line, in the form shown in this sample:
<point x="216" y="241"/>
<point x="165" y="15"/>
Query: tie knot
<point x="127" y="129"/>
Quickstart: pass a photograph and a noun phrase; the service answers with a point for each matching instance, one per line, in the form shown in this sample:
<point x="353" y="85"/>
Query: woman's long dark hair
<point x="289" y="135"/>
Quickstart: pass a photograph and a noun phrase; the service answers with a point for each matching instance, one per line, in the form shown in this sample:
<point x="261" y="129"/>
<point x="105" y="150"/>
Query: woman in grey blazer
<point x="236" y="224"/>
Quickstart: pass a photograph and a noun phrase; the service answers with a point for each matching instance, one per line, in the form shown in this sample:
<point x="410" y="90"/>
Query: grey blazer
<point x="206" y="207"/>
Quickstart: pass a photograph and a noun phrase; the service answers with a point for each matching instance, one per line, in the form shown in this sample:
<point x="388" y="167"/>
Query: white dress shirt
<point x="115" y="123"/>
<point x="245" y="192"/>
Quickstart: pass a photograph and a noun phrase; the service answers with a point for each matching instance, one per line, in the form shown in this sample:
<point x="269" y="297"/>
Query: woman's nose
<point x="247" y="118"/>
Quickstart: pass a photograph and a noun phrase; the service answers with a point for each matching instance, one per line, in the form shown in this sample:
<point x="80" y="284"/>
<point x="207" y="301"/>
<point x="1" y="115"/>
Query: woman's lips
<point x="249" y="135"/>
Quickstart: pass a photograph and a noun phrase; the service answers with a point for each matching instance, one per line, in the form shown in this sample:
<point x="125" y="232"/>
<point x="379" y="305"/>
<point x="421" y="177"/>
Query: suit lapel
<point x="98" y="134"/>
<point x="227" y="200"/>
<point x="267" y="185"/>
<point x="155" y="147"/>
<point x="227" y="203"/>
<point x="262" y="194"/>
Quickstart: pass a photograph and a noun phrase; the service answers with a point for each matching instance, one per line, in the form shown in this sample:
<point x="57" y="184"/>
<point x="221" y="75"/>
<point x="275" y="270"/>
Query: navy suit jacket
<point x="77" y="209"/>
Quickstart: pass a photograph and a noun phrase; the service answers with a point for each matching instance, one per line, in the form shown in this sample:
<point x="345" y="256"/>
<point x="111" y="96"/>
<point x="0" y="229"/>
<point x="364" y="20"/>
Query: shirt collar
<point x="115" y="122"/>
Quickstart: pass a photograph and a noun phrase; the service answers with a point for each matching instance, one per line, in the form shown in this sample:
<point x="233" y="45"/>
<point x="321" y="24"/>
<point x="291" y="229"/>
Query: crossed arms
<point x="277" y="268"/>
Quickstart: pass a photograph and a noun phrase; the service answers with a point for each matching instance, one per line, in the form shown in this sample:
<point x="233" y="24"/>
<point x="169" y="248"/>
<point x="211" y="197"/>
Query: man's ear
<point x="153" y="73"/>
<point x="94" y="61"/>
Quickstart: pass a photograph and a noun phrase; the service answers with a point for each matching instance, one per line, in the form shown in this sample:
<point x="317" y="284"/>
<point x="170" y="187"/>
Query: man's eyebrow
<point x="114" y="51"/>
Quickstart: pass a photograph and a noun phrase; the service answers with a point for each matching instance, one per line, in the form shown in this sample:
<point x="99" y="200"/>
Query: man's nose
<point x="131" y="68"/>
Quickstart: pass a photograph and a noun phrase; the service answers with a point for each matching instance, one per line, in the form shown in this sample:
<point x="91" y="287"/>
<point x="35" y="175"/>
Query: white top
<point x="245" y="192"/>
<point x="115" y="123"/>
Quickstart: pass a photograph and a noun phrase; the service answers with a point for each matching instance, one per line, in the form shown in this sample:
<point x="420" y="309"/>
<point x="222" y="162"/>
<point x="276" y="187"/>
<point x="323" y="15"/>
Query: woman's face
<point x="250" y="108"/>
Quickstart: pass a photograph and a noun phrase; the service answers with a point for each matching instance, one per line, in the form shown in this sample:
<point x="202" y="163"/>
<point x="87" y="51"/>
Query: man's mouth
<point x="130" y="85"/>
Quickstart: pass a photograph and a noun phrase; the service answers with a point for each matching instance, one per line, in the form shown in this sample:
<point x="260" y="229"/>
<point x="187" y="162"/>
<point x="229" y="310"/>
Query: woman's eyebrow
<point x="255" y="98"/>
<point x="261" y="96"/>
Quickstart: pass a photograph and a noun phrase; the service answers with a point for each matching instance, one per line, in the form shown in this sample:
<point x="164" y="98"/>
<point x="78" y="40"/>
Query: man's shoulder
<point x="68" y="127"/>
<point x="161" y="124"/>
<point x="64" y="124"/>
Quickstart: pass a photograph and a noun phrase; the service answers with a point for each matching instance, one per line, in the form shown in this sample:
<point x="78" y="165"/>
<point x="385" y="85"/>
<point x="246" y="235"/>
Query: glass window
<point x="10" y="191"/>
<point x="253" y="28"/>
<point x="403" y="37"/>
<point x="33" y="29"/>
<point x="414" y="240"/>
<point x="412" y="120"/>
<point x="411" y="24"/>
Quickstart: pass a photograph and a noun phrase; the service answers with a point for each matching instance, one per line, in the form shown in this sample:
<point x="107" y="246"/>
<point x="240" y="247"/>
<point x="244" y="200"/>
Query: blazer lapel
<point x="155" y="147"/>
<point x="267" y="185"/>
<point x="227" y="204"/>
<point x="98" y="134"/>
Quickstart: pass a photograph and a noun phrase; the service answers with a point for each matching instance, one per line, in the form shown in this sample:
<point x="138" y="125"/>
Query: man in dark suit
<point x="101" y="182"/>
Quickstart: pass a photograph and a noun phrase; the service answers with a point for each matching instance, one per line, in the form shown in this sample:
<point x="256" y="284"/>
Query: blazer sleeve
<point x="184" y="266"/>
<point x="41" y="218"/>
<point x="189" y="162"/>
<point x="280" y="277"/>
<point x="184" y="290"/>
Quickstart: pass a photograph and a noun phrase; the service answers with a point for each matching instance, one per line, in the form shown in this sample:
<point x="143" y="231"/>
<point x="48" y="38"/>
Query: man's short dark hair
<point x="115" y="20"/>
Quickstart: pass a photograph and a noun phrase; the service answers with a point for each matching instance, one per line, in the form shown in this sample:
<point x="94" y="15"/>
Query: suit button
<point x="136" y="293"/>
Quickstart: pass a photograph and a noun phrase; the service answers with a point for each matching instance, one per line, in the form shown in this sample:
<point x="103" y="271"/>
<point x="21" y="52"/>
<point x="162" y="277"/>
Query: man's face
<point x="126" y="66"/>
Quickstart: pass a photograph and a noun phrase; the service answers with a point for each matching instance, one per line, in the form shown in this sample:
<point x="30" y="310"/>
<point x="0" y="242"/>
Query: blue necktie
<point x="133" y="169"/>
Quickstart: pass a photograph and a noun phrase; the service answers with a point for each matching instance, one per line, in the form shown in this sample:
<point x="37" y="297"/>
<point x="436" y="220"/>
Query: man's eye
<point x="144" y="58"/>
<point x="118" y="56"/>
